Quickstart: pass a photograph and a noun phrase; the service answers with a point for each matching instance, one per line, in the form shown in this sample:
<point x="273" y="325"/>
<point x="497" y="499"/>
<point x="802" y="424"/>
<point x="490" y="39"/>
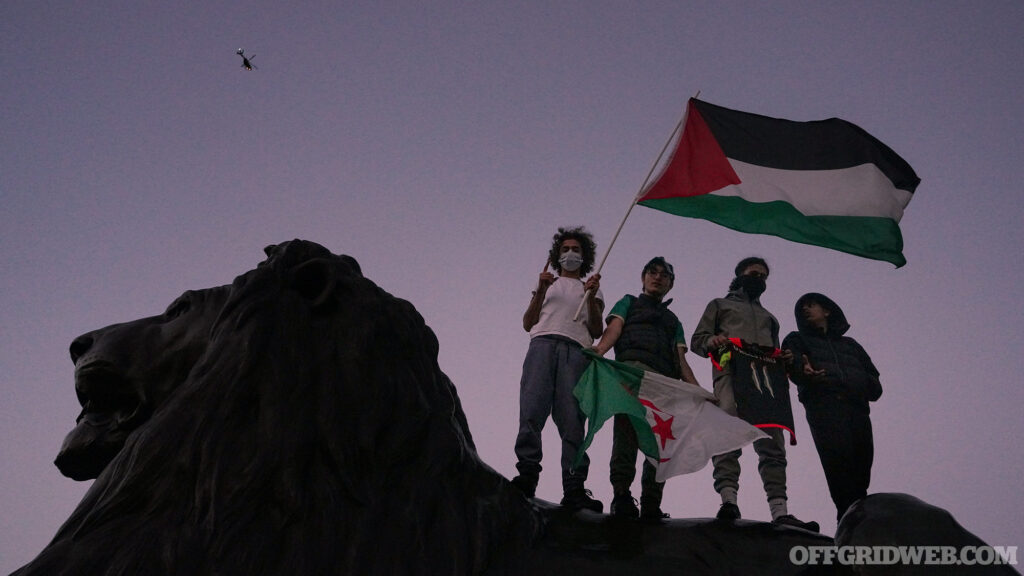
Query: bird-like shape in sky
<point x="246" y="61"/>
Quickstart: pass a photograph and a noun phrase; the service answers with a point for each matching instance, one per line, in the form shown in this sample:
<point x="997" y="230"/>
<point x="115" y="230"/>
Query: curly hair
<point x="585" y="239"/>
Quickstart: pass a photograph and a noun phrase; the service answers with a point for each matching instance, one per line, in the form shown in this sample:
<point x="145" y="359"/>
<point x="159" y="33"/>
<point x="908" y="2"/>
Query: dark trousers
<point x="842" y="435"/>
<point x="622" y="467"/>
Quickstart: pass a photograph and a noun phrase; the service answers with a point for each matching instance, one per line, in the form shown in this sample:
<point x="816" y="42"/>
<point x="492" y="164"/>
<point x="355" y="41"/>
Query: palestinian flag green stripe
<point x="870" y="237"/>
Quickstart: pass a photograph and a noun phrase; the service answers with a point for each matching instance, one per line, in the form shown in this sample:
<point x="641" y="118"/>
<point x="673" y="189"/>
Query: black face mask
<point x="752" y="285"/>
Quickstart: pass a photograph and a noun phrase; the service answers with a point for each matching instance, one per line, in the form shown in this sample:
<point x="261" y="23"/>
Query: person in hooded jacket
<point x="835" y="380"/>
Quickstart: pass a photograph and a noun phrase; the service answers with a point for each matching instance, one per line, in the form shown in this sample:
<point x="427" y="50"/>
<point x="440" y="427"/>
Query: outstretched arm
<point x="610" y="336"/>
<point x="684" y="366"/>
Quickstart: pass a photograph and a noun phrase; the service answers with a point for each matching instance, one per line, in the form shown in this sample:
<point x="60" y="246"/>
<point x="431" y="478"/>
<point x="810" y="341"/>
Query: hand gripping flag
<point x="826" y="183"/>
<point x="676" y="427"/>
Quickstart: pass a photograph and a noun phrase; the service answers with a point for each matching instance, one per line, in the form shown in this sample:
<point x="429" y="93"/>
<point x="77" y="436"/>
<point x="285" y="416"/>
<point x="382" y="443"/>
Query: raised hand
<point x="816" y="375"/>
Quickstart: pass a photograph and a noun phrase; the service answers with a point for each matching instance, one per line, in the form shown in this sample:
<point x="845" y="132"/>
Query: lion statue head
<point x="293" y="422"/>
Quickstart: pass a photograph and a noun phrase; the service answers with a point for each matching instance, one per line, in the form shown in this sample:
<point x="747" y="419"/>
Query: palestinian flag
<point x="826" y="183"/>
<point x="677" y="426"/>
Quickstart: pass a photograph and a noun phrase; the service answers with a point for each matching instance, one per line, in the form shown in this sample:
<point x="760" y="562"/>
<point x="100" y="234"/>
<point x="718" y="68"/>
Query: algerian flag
<point x="827" y="183"/>
<point x="676" y="427"/>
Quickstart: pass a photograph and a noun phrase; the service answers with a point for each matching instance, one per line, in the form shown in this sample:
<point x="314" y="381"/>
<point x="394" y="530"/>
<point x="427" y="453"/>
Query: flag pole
<point x="631" y="205"/>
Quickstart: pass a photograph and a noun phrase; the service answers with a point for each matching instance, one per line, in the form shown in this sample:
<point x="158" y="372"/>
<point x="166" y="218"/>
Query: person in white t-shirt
<point x="555" y="362"/>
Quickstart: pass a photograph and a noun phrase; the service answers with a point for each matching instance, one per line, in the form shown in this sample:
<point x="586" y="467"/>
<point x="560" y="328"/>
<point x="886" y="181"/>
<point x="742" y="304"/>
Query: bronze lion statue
<point x="293" y="422"/>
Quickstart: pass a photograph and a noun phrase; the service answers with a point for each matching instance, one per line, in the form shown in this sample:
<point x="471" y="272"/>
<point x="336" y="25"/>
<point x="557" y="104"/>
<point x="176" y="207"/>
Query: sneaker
<point x="580" y="499"/>
<point x="728" y="511"/>
<point x="624" y="506"/>
<point x="790" y="520"/>
<point x="528" y="488"/>
<point x="652" y="514"/>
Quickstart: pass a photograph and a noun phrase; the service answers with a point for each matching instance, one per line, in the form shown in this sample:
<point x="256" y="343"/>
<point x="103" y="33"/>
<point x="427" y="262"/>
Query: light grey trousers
<point x="552" y="367"/>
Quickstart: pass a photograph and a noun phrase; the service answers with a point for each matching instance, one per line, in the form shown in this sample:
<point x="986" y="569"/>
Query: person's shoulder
<point x="717" y="302"/>
<point x="622" y="306"/>
<point x="851" y="342"/>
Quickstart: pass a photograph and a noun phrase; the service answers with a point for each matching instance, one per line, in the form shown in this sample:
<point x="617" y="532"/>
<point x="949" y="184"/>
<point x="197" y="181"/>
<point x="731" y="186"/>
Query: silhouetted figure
<point x="835" y="380"/>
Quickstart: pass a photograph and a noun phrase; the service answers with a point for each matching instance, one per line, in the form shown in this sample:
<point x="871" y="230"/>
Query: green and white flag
<point x="676" y="426"/>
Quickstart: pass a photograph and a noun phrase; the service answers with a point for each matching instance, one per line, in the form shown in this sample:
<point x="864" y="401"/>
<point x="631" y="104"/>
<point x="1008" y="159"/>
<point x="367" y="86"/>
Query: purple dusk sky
<point x="441" y="144"/>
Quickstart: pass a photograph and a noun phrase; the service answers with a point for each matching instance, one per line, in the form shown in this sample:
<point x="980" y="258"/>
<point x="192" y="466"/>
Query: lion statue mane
<point x="293" y="422"/>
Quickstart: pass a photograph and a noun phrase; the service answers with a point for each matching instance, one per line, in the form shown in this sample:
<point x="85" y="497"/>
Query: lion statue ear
<point x="352" y="264"/>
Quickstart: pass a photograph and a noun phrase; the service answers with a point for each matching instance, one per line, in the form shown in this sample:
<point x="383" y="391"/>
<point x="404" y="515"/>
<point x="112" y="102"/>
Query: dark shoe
<point x="652" y="514"/>
<point x="526" y="486"/>
<point x="580" y="499"/>
<point x="728" y="511"/>
<point x="790" y="520"/>
<point x="624" y="506"/>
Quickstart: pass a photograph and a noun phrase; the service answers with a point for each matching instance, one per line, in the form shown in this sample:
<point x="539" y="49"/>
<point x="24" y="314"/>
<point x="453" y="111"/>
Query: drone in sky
<point x="246" y="61"/>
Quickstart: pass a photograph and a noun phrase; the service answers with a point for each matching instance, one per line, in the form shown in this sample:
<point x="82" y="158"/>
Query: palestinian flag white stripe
<point x="858" y="191"/>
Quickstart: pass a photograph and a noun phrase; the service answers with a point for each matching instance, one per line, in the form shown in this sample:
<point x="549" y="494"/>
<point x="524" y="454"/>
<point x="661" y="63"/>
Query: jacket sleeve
<point x="705" y="330"/>
<point x="865" y="360"/>
<point x="794" y="342"/>
<point x="874" y="391"/>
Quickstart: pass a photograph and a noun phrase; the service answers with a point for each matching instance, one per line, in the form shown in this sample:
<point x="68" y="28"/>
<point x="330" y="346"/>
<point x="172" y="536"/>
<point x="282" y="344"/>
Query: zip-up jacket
<point x="849" y="373"/>
<point x="736" y="316"/>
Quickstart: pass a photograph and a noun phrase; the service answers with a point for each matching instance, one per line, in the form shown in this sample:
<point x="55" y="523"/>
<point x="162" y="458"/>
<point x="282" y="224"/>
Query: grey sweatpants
<point x="551" y="370"/>
<point x="771" y="452"/>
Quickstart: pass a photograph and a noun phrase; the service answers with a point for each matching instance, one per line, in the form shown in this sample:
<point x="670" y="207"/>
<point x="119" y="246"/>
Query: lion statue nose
<point x="80" y="346"/>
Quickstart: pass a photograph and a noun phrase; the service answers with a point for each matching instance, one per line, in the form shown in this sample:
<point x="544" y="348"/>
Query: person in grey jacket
<point x="740" y="315"/>
<point x="835" y="380"/>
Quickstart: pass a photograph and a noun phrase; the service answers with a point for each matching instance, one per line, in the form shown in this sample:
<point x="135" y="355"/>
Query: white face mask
<point x="570" y="261"/>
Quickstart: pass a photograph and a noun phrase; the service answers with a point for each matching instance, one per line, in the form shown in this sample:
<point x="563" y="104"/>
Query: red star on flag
<point x="663" y="428"/>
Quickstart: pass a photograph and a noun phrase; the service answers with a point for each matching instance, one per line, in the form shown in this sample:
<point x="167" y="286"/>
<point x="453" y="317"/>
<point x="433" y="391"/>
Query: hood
<point x="837" y="323"/>
<point x="741" y="295"/>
